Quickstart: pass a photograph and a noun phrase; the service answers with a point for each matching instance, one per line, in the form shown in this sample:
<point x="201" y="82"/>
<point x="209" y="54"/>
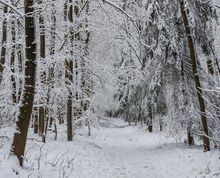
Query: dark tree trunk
<point x="42" y="37"/>
<point x="77" y="96"/>
<point x="36" y="124"/>
<point x="150" y="119"/>
<point x="12" y="62"/>
<point x="53" y="30"/>
<point x="20" y="55"/>
<point x="161" y="127"/>
<point x="190" y="138"/>
<point x="41" y="109"/>
<point x="210" y="66"/>
<point x="69" y="76"/>
<point x="196" y="75"/>
<point x="41" y="116"/>
<point x="4" y="41"/>
<point x="25" y="109"/>
<point x="69" y="119"/>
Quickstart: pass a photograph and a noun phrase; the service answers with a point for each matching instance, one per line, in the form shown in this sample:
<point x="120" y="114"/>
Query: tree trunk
<point x="25" y="109"/>
<point x="52" y="53"/>
<point x="4" y="41"/>
<point x="69" y="118"/>
<point x="150" y="119"/>
<point x="185" y="103"/>
<point x="190" y="137"/>
<point x="86" y="81"/>
<point x="20" y="56"/>
<point x="77" y="59"/>
<point x="36" y="123"/>
<point x="53" y="30"/>
<point x="192" y="51"/>
<point x="69" y="76"/>
<point x="41" y="109"/>
<point x="41" y="116"/>
<point x="12" y="62"/>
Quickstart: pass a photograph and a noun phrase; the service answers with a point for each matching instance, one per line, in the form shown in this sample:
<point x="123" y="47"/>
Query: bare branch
<point x="12" y="8"/>
<point x="123" y="12"/>
<point x="217" y="6"/>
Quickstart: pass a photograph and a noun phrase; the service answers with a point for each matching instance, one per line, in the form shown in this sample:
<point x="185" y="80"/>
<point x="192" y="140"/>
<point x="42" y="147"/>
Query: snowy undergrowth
<point x="115" y="150"/>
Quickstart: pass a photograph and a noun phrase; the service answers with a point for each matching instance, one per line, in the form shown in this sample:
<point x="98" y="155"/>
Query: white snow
<point x="115" y="150"/>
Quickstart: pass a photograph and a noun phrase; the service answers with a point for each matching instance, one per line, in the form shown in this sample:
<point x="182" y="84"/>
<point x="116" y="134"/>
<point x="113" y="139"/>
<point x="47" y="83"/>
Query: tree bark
<point x="77" y="59"/>
<point x="20" y="56"/>
<point x="12" y="62"/>
<point x="41" y="113"/>
<point x="192" y="51"/>
<point x="41" y="109"/>
<point x="4" y="41"/>
<point x="150" y="119"/>
<point x="36" y="121"/>
<point x="25" y="109"/>
<point x="86" y="82"/>
<point x="69" y="76"/>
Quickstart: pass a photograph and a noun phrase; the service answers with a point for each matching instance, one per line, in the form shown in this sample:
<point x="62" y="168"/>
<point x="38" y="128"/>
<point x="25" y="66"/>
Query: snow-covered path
<point x="135" y="153"/>
<point x="117" y="150"/>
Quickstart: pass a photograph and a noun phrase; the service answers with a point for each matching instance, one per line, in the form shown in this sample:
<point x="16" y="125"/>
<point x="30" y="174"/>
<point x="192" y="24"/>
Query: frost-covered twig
<point x="123" y="12"/>
<point x="217" y="6"/>
<point x="12" y="7"/>
<point x="203" y="134"/>
<point x="118" y="8"/>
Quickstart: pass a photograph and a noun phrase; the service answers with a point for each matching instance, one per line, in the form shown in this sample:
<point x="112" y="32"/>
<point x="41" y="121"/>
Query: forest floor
<point x="115" y="150"/>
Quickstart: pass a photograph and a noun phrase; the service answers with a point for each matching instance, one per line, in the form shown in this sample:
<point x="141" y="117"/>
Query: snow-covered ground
<point x="116" y="150"/>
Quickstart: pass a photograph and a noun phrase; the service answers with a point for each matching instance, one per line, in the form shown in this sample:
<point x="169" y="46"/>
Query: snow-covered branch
<point x="12" y="8"/>
<point x="123" y="12"/>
